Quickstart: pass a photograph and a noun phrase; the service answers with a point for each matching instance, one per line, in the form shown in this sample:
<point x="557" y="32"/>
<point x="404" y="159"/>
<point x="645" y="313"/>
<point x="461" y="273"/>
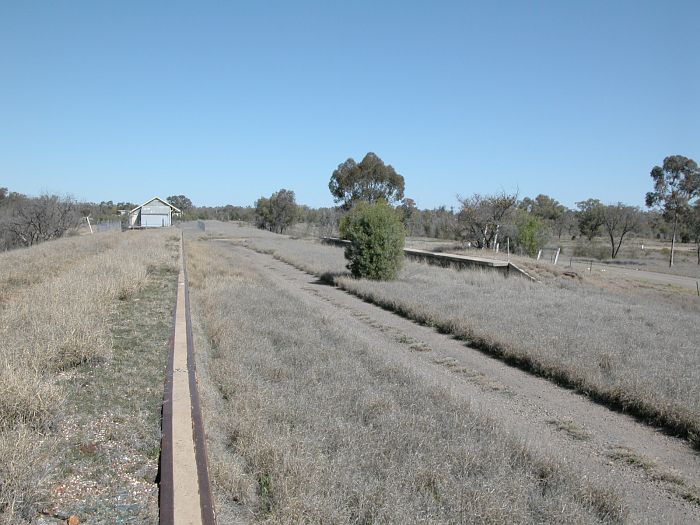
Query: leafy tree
<point x="370" y="181"/>
<point x="555" y="214"/>
<point x="284" y="209"/>
<point x="181" y="202"/>
<point x="676" y="184"/>
<point x="276" y="213"/>
<point x="566" y="222"/>
<point x="619" y="220"/>
<point x="408" y="210"/>
<point x="532" y="233"/>
<point x="543" y="207"/>
<point x="481" y="217"/>
<point x="263" y="214"/>
<point x="377" y="237"/>
<point x="589" y="218"/>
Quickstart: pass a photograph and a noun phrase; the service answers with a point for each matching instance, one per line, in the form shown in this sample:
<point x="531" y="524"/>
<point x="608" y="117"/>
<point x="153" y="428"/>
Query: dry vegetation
<point x="313" y="421"/>
<point x="25" y="267"/>
<point x="57" y="310"/>
<point x="626" y="350"/>
<point x="653" y="258"/>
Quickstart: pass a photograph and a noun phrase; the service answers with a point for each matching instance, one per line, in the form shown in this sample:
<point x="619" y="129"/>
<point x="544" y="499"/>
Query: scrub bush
<point x="377" y="237"/>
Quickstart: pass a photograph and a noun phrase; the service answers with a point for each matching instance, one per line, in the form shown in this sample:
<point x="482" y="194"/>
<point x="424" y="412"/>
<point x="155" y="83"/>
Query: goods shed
<point x="155" y="213"/>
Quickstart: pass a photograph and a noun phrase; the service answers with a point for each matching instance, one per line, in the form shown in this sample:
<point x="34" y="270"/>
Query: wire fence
<point x="103" y="226"/>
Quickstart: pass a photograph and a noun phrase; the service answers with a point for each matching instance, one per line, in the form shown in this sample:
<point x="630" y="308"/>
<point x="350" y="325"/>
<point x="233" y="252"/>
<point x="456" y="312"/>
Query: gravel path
<point x="658" y="475"/>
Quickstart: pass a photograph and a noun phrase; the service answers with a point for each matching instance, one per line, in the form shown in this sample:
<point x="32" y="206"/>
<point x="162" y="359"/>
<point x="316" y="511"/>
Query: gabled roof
<point x="155" y="199"/>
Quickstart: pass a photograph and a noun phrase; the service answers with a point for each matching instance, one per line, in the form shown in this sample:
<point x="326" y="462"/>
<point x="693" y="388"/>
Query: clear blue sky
<point x="228" y="101"/>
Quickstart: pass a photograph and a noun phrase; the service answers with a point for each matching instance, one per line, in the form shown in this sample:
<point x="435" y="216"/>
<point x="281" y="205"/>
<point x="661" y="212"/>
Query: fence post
<point x="539" y="254"/>
<point x="556" y="257"/>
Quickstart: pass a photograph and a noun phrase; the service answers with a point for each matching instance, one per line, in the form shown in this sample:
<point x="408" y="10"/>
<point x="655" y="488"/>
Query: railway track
<point x="185" y="490"/>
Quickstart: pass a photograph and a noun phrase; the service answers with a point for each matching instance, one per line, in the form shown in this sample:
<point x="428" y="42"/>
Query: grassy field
<point x="67" y="315"/>
<point x="311" y="420"/>
<point x="630" y="351"/>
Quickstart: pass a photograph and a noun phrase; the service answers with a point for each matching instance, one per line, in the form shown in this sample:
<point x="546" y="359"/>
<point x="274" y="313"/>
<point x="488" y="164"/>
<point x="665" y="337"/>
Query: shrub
<point x="376" y="236"/>
<point x="532" y="234"/>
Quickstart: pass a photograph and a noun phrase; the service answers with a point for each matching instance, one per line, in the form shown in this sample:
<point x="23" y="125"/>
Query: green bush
<point x="376" y="236"/>
<point x="532" y="234"/>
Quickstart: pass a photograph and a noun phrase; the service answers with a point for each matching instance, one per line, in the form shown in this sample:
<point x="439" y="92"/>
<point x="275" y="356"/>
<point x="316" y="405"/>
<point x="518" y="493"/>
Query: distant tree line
<point x="480" y="221"/>
<point x="490" y="221"/>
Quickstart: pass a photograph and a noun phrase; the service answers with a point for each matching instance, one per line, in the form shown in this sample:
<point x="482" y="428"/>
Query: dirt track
<point x="655" y="472"/>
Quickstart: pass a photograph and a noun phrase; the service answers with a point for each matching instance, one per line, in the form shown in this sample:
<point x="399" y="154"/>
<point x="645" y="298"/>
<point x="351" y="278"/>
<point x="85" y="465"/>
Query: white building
<point x="155" y="213"/>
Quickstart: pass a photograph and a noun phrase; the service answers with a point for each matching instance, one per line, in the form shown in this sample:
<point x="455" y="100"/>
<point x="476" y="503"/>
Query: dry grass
<point x="656" y="472"/>
<point x="313" y="421"/>
<point x="653" y="258"/>
<point x="27" y="266"/>
<point x="312" y="257"/>
<point x="571" y="428"/>
<point x="55" y="316"/>
<point x="619" y="351"/>
<point x="630" y="351"/>
<point x="111" y="434"/>
<point x="26" y="459"/>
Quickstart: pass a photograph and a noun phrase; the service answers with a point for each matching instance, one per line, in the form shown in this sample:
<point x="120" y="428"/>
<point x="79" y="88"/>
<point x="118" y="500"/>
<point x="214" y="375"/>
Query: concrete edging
<point x="447" y="259"/>
<point x="185" y="489"/>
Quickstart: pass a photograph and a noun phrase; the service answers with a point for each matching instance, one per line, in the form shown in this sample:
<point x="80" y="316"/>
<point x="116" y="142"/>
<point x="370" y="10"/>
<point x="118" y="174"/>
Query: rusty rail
<point x="167" y="474"/>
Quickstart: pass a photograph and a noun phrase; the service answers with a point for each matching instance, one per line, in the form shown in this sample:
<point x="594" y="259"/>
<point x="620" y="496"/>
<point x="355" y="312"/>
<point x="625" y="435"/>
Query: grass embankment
<point x="310" y="420"/>
<point x="624" y="350"/>
<point x="67" y="384"/>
